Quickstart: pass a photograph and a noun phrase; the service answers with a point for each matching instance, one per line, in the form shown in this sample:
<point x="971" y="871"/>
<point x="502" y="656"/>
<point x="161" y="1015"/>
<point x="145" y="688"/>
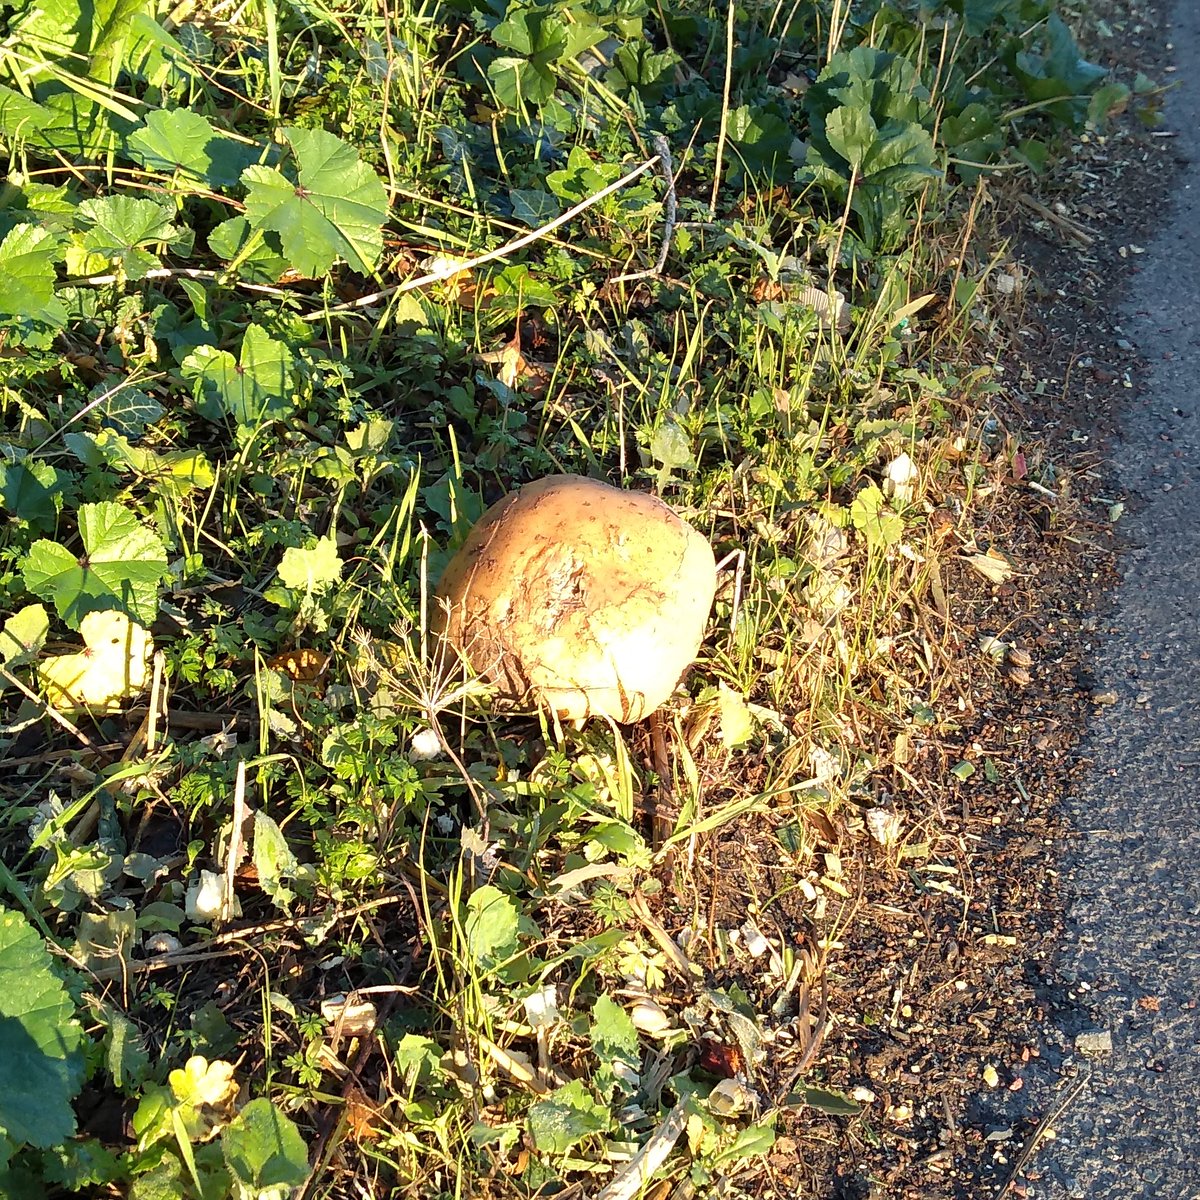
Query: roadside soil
<point x="942" y="1016"/>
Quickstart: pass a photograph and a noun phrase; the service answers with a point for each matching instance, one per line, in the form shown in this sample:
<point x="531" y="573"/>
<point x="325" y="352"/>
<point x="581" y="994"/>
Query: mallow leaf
<point x="264" y="1151"/>
<point x="122" y="228"/>
<point x="120" y="568"/>
<point x="256" y="386"/>
<point x="41" y="1065"/>
<point x="29" y="309"/>
<point x="180" y="141"/>
<point x="334" y="208"/>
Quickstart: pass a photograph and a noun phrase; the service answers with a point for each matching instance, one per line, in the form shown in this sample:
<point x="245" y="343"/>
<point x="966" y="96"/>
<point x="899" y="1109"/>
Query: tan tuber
<point x="579" y="596"/>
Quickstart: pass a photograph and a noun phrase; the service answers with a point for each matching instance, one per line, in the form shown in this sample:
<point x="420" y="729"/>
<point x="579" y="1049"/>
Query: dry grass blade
<point x="633" y="1180"/>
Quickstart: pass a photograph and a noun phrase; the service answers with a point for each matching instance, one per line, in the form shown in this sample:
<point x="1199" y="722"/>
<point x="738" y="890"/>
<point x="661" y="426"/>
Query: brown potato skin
<point x="579" y="596"/>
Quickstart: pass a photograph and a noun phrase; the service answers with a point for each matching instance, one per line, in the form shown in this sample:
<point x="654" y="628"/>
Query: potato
<point x="579" y="596"/>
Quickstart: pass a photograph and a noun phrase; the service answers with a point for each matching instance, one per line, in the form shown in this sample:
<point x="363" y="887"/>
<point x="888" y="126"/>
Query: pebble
<point x="1095" y="1042"/>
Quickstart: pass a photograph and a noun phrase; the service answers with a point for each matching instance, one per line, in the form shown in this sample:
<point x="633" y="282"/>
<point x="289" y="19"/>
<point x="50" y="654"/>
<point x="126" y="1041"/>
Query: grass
<point x="476" y="953"/>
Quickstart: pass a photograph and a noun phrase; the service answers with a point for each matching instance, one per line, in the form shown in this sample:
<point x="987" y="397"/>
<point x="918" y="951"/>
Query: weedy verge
<point x="288" y="294"/>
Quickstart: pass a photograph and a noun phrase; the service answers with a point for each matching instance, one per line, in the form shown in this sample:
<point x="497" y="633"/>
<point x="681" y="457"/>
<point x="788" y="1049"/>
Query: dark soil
<point x="940" y="989"/>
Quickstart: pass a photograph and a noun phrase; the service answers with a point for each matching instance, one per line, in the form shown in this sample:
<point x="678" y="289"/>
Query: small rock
<point x="1094" y="1042"/>
<point x="1109" y="696"/>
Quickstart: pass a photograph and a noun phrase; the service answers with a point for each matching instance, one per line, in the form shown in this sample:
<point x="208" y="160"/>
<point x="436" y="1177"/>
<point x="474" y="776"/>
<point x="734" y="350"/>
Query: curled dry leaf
<point x="1019" y="657"/>
<point x="900" y="478"/>
<point x="650" y="1017"/>
<point x="351" y="1018"/>
<point x="730" y="1098"/>
<point x="993" y="565"/>
<point x="884" y="825"/>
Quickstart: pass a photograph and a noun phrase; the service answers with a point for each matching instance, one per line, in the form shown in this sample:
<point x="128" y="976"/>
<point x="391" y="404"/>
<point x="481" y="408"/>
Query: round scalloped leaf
<point x="336" y="208"/>
<point x="30" y="312"/>
<point x="255" y="387"/>
<point x="41" y="1067"/>
<point x="120" y="569"/>
<point x="264" y="1150"/>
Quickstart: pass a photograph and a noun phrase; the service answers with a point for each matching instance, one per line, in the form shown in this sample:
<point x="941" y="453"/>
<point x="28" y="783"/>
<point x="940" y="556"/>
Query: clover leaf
<point x="122" y="563"/>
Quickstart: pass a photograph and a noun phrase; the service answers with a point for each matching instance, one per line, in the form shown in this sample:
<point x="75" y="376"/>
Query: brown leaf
<point x="302" y="665"/>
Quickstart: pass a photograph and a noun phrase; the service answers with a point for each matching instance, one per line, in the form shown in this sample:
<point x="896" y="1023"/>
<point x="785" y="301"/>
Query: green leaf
<point x="122" y="226"/>
<point x="82" y="1167"/>
<point x="613" y="1033"/>
<point x="180" y="141"/>
<point x="32" y="492"/>
<point x="492" y="925"/>
<point x="615" y="1045"/>
<point x="28" y="305"/>
<point x="763" y="139"/>
<point x="41" y="1064"/>
<point x="418" y="1059"/>
<point x="752" y="1142"/>
<point x="255" y="387"/>
<point x="826" y="1100"/>
<point x="163" y="1182"/>
<point x="311" y="570"/>
<point x="263" y="260"/>
<point x="126" y="1056"/>
<point x="335" y="209"/>
<point x="273" y="859"/>
<point x="672" y="448"/>
<point x="23" y="635"/>
<point x="19" y="115"/>
<point x="963" y="770"/>
<point x="264" y="1151"/>
<point x="125" y="408"/>
<point x="582" y="176"/>
<point x="533" y="208"/>
<point x="874" y="520"/>
<point x="566" y="1117"/>
<point x="120" y="569"/>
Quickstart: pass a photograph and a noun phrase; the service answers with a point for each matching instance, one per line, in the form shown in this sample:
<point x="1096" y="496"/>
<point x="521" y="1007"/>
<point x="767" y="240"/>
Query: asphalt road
<point x="1130" y="960"/>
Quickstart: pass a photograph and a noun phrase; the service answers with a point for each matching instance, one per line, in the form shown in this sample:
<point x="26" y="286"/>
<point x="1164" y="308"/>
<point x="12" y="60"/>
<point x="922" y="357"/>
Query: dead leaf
<point x="363" y="1116"/>
<point x="301" y="665"/>
<point x="993" y="565"/>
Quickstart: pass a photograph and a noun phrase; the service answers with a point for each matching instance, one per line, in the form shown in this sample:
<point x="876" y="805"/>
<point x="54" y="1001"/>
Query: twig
<point x="1052" y="1114"/>
<point x="449" y="270"/>
<point x="233" y="856"/>
<point x="1071" y="228"/>
<point x="49" y="709"/>
<point x="213" y="722"/>
<point x="670" y="210"/>
<point x="51" y="756"/>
